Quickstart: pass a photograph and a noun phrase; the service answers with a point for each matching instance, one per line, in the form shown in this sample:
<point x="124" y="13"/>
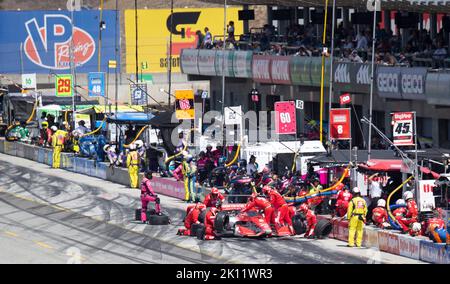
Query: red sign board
<point x="345" y="99"/>
<point x="340" y="126"/>
<point x="403" y="128"/>
<point x="285" y="119"/>
<point x="261" y="69"/>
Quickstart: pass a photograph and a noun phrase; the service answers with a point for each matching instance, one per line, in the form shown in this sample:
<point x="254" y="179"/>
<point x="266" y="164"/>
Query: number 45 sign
<point x="63" y="85"/>
<point x="403" y="131"/>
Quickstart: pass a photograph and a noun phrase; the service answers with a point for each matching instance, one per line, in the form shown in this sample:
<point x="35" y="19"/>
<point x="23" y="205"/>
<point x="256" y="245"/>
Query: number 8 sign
<point x="63" y="85"/>
<point x="340" y="124"/>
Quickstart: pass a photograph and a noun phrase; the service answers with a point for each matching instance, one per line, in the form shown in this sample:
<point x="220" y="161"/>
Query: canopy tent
<point x="102" y="109"/>
<point x="378" y="165"/>
<point x="139" y="118"/>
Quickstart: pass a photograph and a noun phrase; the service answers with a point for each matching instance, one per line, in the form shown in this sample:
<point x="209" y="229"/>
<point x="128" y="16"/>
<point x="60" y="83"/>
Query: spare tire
<point x="323" y="229"/>
<point x="298" y="224"/>
<point x="137" y="213"/>
<point x="195" y="227"/>
<point x="201" y="231"/>
<point x="221" y="221"/>
<point x="158" y="220"/>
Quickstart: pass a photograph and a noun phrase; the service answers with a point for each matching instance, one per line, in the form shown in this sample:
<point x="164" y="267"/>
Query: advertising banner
<point x="403" y="128"/>
<point x="413" y="83"/>
<point x="316" y="72"/>
<point x="300" y="71"/>
<point x="138" y="94"/>
<point x="434" y="253"/>
<point x="409" y="247"/>
<point x="154" y="34"/>
<point x="206" y="62"/>
<point x="96" y="84"/>
<point x="388" y="82"/>
<point x="280" y="70"/>
<point x="389" y="242"/>
<point x="63" y="85"/>
<point x="40" y="40"/>
<point x="261" y="69"/>
<point x="189" y="61"/>
<point x="425" y="198"/>
<point x="352" y="77"/>
<point x="285" y="118"/>
<point x="185" y="104"/>
<point x="340" y="124"/>
<point x="224" y="67"/>
<point x="242" y="64"/>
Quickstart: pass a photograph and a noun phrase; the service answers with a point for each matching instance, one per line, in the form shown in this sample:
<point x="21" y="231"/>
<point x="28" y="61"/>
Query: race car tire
<point x="202" y="215"/>
<point x="323" y="229"/>
<point x="158" y="220"/>
<point x="221" y="222"/>
<point x="298" y="224"/>
<point x="195" y="228"/>
<point x="137" y="213"/>
<point x="201" y="231"/>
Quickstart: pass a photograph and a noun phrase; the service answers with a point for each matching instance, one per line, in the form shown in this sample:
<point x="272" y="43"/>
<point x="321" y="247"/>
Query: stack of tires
<point x="322" y="230"/>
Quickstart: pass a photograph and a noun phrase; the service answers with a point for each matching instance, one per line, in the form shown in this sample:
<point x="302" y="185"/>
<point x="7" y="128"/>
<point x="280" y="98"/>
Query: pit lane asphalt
<point x="52" y="216"/>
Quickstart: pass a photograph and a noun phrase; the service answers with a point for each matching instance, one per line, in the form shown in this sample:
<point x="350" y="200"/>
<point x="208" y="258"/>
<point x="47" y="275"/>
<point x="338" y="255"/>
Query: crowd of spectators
<point x="352" y="44"/>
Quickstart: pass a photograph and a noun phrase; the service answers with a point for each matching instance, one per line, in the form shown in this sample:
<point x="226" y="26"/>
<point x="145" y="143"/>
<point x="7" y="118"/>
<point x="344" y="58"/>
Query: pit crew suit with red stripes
<point x="191" y="218"/>
<point x="212" y="198"/>
<point x="379" y="216"/>
<point x="209" y="224"/>
<point x="343" y="198"/>
<point x="281" y="208"/>
<point x="311" y="220"/>
<point x="261" y="203"/>
<point x="410" y="216"/>
<point x="148" y="195"/>
<point x="429" y="228"/>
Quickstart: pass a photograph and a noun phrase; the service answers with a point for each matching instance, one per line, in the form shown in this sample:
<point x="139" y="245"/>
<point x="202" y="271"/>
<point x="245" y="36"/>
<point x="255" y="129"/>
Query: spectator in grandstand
<point x="208" y="39"/>
<point x="362" y="42"/>
<point x="440" y="53"/>
<point x="200" y="38"/>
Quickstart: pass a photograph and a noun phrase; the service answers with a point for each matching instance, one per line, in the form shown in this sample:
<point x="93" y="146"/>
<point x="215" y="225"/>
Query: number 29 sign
<point x="402" y="123"/>
<point x="285" y="120"/>
<point x="340" y="127"/>
<point x="63" y="85"/>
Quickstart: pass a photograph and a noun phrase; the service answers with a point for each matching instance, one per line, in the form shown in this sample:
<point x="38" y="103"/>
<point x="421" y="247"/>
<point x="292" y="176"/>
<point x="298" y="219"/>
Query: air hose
<point x="391" y="216"/>
<point x="96" y="130"/>
<point x="137" y="136"/>
<point x="184" y="149"/>
<point x="235" y="156"/>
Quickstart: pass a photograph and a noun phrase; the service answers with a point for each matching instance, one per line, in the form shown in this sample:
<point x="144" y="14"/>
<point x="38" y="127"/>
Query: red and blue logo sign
<point x="41" y="41"/>
<point x="49" y="46"/>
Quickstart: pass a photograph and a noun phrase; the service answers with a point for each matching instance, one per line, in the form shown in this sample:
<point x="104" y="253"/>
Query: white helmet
<point x="381" y="203"/>
<point x="356" y="190"/>
<point x="54" y="128"/>
<point x="416" y="227"/>
<point x="106" y="147"/>
<point x="132" y="146"/>
<point x="408" y="195"/>
<point x="400" y="202"/>
<point x="139" y="144"/>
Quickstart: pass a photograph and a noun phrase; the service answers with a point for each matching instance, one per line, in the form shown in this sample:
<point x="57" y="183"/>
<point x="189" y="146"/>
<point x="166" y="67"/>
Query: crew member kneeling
<point x="411" y="215"/>
<point x="311" y="220"/>
<point x="148" y="195"/>
<point x="379" y="215"/>
<point x="209" y="224"/>
<point x="191" y="218"/>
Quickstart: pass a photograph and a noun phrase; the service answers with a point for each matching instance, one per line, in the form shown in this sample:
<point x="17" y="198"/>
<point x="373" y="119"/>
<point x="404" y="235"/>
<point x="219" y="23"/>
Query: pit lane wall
<point x="165" y="186"/>
<point x="390" y="241"/>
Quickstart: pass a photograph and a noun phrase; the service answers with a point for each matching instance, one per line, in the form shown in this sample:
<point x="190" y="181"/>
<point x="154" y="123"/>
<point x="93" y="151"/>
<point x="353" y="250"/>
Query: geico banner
<point x="242" y="64"/>
<point x="401" y="82"/>
<point x="224" y="67"/>
<point x="413" y="83"/>
<point x="388" y="82"/>
<point x="352" y="77"/>
<point x="425" y="197"/>
<point x="206" y="62"/>
<point x="39" y="41"/>
<point x="155" y="29"/>
<point x="189" y="61"/>
<point x="261" y="69"/>
<point x="279" y="70"/>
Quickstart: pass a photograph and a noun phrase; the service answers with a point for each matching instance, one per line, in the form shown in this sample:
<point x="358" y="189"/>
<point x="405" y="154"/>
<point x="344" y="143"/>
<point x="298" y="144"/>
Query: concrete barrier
<point x="10" y="148"/>
<point x="435" y="253"/>
<point x="169" y="187"/>
<point x="409" y="247"/>
<point x="20" y="150"/>
<point x="2" y="146"/>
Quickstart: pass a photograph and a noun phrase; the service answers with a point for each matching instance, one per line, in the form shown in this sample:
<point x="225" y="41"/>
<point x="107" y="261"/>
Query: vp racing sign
<point x="42" y="41"/>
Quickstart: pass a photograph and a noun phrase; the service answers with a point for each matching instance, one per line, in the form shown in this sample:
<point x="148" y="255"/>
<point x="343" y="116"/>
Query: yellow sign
<point x="154" y="34"/>
<point x="63" y="85"/>
<point x="185" y="104"/>
<point x="112" y="64"/>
